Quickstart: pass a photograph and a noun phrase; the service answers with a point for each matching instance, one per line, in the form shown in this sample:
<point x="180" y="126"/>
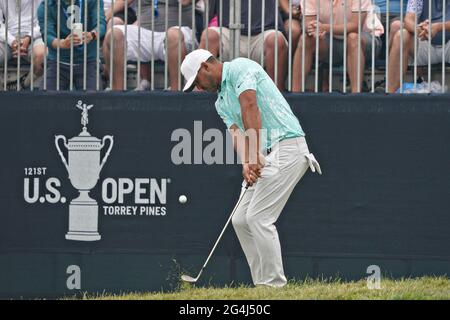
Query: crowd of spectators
<point x="153" y="29"/>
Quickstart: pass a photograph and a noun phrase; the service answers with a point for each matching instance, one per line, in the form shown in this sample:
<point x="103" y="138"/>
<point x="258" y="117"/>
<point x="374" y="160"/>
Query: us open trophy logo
<point x="84" y="168"/>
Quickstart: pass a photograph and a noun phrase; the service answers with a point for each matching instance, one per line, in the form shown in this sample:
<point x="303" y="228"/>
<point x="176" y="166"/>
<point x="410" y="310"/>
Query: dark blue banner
<point x="91" y="184"/>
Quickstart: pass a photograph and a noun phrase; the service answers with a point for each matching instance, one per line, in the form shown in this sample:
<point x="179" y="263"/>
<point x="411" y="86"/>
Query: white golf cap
<point x="190" y="66"/>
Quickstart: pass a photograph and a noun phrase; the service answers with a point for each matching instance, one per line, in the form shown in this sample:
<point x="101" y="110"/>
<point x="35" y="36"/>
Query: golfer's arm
<point x="239" y="143"/>
<point x="251" y="118"/>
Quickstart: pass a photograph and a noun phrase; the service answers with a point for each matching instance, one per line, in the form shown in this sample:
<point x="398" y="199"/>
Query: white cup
<point x="77" y="28"/>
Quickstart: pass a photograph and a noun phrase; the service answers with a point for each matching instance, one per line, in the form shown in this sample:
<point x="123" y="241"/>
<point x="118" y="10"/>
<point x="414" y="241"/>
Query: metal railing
<point x="237" y="36"/>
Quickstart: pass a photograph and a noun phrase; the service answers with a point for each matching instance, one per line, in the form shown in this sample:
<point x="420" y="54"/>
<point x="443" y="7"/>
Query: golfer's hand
<point x="252" y="171"/>
<point x="250" y="176"/>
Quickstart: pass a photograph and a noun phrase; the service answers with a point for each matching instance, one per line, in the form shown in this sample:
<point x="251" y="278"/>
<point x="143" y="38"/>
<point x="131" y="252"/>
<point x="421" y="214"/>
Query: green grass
<point x="403" y="289"/>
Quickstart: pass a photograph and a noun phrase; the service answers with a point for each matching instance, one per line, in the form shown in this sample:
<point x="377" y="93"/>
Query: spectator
<point x="324" y="28"/>
<point x="147" y="51"/>
<point x="296" y="22"/>
<point x="419" y="8"/>
<point x="394" y="16"/>
<point x="199" y="17"/>
<point x="119" y="12"/>
<point x="258" y="44"/>
<point x="119" y="19"/>
<point x="20" y="44"/>
<point x="395" y="11"/>
<point x="88" y="38"/>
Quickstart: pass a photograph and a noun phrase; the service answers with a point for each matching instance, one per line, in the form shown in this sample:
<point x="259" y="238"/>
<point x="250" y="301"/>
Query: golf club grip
<point x="226" y="225"/>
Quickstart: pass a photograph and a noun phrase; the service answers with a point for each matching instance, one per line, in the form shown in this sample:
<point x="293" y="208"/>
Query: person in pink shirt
<point x="370" y="24"/>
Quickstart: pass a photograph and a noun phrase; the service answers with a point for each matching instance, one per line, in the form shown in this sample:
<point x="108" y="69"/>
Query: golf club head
<point x="187" y="278"/>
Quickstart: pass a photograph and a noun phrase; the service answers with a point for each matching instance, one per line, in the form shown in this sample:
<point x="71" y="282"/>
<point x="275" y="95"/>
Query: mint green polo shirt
<point x="278" y="120"/>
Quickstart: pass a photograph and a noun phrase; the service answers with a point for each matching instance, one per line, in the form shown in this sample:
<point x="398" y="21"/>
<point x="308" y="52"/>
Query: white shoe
<point x="37" y="81"/>
<point x="27" y="82"/>
<point x="143" y="85"/>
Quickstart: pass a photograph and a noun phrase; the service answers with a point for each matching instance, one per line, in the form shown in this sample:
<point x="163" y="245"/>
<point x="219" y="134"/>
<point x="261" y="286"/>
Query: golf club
<point x="190" y="279"/>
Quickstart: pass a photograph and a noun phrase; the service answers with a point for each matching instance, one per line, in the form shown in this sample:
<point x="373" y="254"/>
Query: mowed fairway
<point x="405" y="289"/>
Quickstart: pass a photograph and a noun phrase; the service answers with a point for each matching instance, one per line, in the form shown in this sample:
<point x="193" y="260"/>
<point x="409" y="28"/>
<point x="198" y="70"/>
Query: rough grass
<point x="403" y="289"/>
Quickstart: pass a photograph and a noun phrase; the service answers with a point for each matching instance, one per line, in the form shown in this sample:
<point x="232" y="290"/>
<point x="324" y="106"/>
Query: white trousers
<point x="254" y="220"/>
<point x="146" y="49"/>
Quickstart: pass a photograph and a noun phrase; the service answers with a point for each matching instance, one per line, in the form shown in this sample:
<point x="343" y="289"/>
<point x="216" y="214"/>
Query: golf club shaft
<point x="224" y="228"/>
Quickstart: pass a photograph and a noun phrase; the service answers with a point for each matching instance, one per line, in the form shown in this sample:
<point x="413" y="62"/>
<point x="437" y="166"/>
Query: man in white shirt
<point x="152" y="43"/>
<point x="16" y="40"/>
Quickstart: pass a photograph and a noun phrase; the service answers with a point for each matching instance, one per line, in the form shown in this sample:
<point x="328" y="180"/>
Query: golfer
<point x="273" y="160"/>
